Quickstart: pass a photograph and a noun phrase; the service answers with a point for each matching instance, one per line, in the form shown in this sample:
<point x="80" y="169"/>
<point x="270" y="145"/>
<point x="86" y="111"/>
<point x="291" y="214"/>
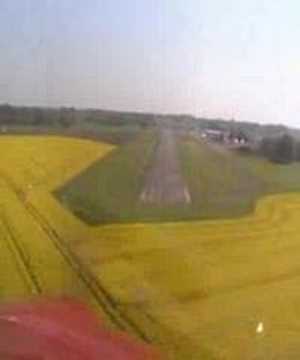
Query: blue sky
<point x="232" y="59"/>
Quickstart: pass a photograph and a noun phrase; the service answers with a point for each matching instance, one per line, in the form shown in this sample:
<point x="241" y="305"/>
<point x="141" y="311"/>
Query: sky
<point x="232" y="59"/>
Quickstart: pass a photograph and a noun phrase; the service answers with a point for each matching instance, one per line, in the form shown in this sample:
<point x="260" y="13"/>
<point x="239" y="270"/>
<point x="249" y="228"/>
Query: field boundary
<point x="22" y="264"/>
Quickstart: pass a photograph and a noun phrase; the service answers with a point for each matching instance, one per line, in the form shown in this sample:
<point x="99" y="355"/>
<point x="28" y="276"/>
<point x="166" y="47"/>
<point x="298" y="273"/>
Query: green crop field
<point x="196" y="289"/>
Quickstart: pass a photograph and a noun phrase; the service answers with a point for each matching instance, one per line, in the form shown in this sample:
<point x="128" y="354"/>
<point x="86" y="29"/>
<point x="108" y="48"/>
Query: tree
<point x="297" y="151"/>
<point x="284" y="150"/>
<point x="281" y="150"/>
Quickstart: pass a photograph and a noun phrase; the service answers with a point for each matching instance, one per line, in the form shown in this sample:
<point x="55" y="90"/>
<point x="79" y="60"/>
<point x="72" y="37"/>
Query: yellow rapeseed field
<point x="224" y="289"/>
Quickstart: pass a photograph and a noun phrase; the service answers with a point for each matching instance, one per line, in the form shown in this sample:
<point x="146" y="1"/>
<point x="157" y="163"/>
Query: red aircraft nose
<point x="63" y="330"/>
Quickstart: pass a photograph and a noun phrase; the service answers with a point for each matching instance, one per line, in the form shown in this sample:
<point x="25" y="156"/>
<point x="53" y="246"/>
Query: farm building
<point x="226" y="137"/>
<point x="213" y="135"/>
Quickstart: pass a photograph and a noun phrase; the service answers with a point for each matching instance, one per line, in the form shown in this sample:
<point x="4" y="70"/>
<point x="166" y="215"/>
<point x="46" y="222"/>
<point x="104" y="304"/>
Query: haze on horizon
<point x="230" y="59"/>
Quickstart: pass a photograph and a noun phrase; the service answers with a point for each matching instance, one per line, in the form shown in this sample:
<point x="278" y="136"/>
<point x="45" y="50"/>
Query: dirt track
<point x="164" y="182"/>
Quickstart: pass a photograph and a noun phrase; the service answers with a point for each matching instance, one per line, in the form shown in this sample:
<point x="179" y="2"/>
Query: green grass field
<point x="222" y="184"/>
<point x="196" y="289"/>
<point x="109" y="189"/>
<point x="226" y="184"/>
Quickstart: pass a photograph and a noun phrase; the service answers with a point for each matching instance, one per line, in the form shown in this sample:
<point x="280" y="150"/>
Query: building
<point x="225" y="136"/>
<point x="213" y="135"/>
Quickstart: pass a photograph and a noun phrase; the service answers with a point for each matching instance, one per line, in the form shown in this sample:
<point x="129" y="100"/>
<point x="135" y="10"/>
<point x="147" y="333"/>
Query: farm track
<point x="103" y="298"/>
<point x="21" y="259"/>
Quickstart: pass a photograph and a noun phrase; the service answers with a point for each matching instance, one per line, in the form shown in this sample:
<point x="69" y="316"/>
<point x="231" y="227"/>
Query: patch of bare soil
<point x="164" y="182"/>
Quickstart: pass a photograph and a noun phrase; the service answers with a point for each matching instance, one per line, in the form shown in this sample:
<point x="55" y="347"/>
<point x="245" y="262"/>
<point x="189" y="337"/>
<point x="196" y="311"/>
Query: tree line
<point x="66" y="117"/>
